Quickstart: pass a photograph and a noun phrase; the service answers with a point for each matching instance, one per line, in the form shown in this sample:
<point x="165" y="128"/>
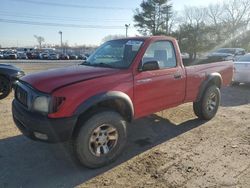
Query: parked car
<point x="225" y="54"/>
<point x="185" y="55"/>
<point x="87" y="55"/>
<point x="10" y="55"/>
<point x="21" y="55"/>
<point x="185" y="58"/>
<point x="1" y="55"/>
<point x="73" y="57"/>
<point x="9" y="74"/>
<point x="242" y="70"/>
<point x="82" y="57"/>
<point x="64" y="57"/>
<point x="44" y="56"/>
<point x="125" y="79"/>
<point x="33" y="55"/>
<point x="53" y="56"/>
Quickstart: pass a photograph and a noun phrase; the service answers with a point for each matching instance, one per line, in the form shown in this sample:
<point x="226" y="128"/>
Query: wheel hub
<point x="103" y="139"/>
<point x="211" y="102"/>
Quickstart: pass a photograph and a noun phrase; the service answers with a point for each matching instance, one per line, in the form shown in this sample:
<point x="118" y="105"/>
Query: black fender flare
<point x="94" y="100"/>
<point x="214" y="78"/>
<point x="7" y="76"/>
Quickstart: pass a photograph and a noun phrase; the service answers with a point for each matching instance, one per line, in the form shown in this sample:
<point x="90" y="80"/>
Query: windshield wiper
<point x="87" y="63"/>
<point x="103" y="65"/>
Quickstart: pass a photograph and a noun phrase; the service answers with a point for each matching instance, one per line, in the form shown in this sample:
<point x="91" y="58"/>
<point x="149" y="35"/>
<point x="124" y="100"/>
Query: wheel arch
<point x="114" y="100"/>
<point x="212" y="79"/>
<point x="5" y="76"/>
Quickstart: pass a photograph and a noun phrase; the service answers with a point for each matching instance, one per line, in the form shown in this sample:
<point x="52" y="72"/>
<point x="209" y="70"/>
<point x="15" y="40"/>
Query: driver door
<point x="156" y="90"/>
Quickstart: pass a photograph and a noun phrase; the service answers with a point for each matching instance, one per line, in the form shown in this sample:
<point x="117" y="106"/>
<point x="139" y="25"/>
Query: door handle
<point x="144" y="80"/>
<point x="177" y="76"/>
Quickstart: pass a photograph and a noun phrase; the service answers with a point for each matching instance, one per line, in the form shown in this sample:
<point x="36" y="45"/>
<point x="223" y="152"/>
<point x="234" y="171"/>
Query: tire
<point x="100" y="139"/>
<point x="197" y="109"/>
<point x="208" y="106"/>
<point x="5" y="87"/>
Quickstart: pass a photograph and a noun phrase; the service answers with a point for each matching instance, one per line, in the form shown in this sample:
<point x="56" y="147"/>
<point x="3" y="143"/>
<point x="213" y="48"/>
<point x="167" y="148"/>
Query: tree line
<point x="198" y="29"/>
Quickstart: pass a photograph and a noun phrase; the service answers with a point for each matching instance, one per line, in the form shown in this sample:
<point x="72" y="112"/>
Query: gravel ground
<point x="168" y="149"/>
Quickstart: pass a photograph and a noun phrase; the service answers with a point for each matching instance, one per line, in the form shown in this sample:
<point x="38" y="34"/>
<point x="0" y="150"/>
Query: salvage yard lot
<point x="169" y="149"/>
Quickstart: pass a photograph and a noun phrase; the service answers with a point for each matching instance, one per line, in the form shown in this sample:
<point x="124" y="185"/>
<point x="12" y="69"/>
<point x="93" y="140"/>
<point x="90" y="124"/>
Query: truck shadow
<point x="235" y="96"/>
<point x="26" y="163"/>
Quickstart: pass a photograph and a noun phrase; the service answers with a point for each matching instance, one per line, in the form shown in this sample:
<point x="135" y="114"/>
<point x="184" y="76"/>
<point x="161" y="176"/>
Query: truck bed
<point x="196" y="74"/>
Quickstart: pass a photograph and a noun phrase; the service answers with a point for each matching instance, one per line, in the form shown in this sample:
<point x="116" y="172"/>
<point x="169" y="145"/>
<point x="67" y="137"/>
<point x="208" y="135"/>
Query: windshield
<point x="224" y="50"/>
<point x="115" y="53"/>
<point x="245" y="58"/>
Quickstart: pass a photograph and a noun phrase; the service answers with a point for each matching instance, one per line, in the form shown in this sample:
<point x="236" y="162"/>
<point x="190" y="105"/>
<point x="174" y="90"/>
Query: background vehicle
<point x="33" y="55"/>
<point x="225" y="54"/>
<point x="9" y="55"/>
<point x="21" y="55"/>
<point x="43" y="56"/>
<point x="242" y="70"/>
<point x="125" y="79"/>
<point x="82" y="57"/>
<point x="1" y="55"/>
<point x="64" y="57"/>
<point x="87" y="54"/>
<point x="184" y="55"/>
<point x="185" y="58"/>
<point x="73" y="57"/>
<point x="9" y="74"/>
<point x="53" y="56"/>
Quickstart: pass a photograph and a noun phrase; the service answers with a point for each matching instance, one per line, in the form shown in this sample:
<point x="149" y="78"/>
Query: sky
<point x="81" y="21"/>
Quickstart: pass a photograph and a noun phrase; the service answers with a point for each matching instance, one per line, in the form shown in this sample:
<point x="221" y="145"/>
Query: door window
<point x="163" y="52"/>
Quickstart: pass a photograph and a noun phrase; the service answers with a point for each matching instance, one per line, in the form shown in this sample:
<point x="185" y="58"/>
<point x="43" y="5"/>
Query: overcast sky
<point x="81" y="21"/>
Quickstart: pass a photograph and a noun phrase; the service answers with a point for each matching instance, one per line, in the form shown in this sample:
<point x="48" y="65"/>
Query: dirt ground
<point x="168" y="149"/>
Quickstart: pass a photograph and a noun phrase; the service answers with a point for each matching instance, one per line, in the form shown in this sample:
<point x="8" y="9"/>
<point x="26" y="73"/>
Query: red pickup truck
<point x="90" y="104"/>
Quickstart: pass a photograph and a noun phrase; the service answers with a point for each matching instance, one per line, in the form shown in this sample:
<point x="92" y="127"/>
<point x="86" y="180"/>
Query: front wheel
<point x="208" y="106"/>
<point x="100" y="139"/>
<point x="5" y="87"/>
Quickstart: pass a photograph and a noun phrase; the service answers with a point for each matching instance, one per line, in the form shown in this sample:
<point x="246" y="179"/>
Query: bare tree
<point x="236" y="16"/>
<point x="40" y="40"/>
<point x="194" y="15"/>
<point x="193" y="30"/>
<point x="214" y="14"/>
<point x="214" y="20"/>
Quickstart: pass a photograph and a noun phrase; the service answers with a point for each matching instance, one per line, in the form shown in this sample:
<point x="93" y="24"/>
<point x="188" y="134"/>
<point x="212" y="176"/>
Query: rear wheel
<point x="100" y="139"/>
<point x="5" y="87"/>
<point x="208" y="106"/>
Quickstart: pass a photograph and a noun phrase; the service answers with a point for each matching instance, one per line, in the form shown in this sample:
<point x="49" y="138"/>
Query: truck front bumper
<point x="42" y="128"/>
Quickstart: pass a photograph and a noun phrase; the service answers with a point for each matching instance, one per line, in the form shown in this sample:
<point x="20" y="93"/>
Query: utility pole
<point x="60" y="33"/>
<point x="127" y="26"/>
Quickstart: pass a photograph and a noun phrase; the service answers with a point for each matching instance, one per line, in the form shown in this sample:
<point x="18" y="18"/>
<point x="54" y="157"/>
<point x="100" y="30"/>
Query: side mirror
<point x="150" y="65"/>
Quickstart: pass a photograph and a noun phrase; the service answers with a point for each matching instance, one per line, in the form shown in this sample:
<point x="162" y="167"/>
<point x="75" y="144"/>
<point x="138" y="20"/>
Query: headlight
<point x="18" y="75"/>
<point x="41" y="104"/>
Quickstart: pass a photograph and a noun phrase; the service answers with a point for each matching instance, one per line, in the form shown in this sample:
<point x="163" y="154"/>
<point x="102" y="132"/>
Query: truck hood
<point x="50" y="80"/>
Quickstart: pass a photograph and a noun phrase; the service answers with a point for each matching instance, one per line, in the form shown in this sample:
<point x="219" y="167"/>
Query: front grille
<point x="21" y="95"/>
